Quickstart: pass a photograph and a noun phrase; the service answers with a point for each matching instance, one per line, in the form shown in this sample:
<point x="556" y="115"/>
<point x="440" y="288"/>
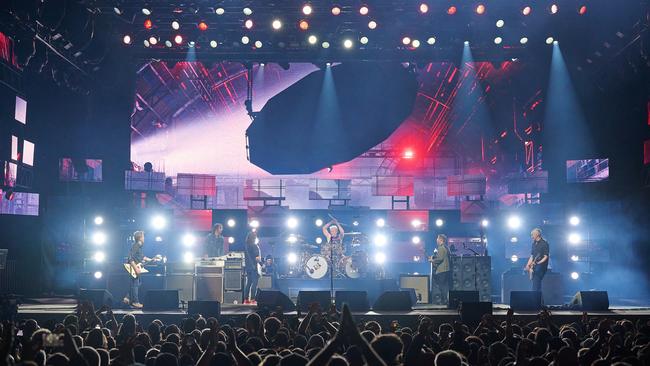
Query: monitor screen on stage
<point x="587" y="170"/>
<point x="80" y="170"/>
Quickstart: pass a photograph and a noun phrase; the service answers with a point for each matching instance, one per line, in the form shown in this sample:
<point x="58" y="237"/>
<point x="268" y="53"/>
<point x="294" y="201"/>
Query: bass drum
<point x="316" y="267"/>
<point x="348" y="267"/>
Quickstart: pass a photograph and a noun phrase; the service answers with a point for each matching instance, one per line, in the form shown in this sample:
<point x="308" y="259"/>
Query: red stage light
<point x="526" y="10"/>
<point x="480" y="9"/>
<point x="148" y="24"/>
<point x="408" y="154"/>
<point x="582" y="10"/>
<point x="303" y="25"/>
<point x="203" y="26"/>
<point x="178" y="39"/>
<point x="452" y="10"/>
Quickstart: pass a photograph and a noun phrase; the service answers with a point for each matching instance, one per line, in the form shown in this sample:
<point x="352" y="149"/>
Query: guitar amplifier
<point x="232" y="280"/>
<point x="208" y="287"/>
<point x="209" y="270"/>
<point x="234" y="263"/>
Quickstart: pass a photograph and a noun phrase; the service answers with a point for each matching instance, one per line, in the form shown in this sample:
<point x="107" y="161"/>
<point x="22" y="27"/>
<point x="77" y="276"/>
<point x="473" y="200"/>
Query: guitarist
<point x="440" y="263"/>
<point x="538" y="261"/>
<point x="252" y="259"/>
<point x="136" y="257"/>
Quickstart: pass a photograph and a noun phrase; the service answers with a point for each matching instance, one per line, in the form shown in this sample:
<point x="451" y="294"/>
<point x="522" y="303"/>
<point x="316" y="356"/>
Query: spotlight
<point x="168" y="43"/>
<point x="514" y="239"/>
<point x="439" y="222"/>
<point x="220" y="11"/>
<point x="153" y="40"/>
<point x="292" y="223"/>
<point x="523" y="40"/>
<point x="416" y="223"/>
<point x="307" y="9"/>
<point x="406" y="41"/>
<point x="500" y="23"/>
<point x="158" y="239"/>
<point x="146" y="43"/>
<point x="526" y="10"/>
<point x="336" y="10"/>
<point x="480" y="9"/>
<point x="176" y="25"/>
<point x="276" y="24"/>
<point x="231" y="223"/>
<point x="292" y="258"/>
<point x="254" y="224"/>
<point x="372" y="24"/>
<point x="466" y="43"/>
<point x="158" y="222"/>
<point x="318" y="222"/>
<point x="355" y="223"/>
<point x="98" y="220"/>
<point x="117" y="10"/>
<point x="231" y="240"/>
<point x="582" y="10"/>
<point x="292" y="239"/>
<point x="431" y="40"/>
<point x="555" y="42"/>
<point x="325" y="44"/>
<point x="415" y="240"/>
<point x="348" y="43"/>
<point x="380" y="222"/>
<point x="424" y="8"/>
<point x="549" y="40"/>
<point x="303" y="25"/>
<point x="574" y="221"/>
<point x="498" y="40"/>
<point x="575" y="275"/>
<point x="189" y="240"/>
<point x="178" y="39"/>
<point x="554" y="9"/>
<point x="319" y="240"/>
<point x="126" y="39"/>
<point x="203" y="26"/>
<point x="245" y="40"/>
<point x="574" y="258"/>
<point x="146" y="11"/>
<point x="258" y="44"/>
<point x="188" y="257"/>
<point x="380" y="258"/>
<point x="98" y="275"/>
<point x="148" y="24"/>
<point x="312" y="39"/>
<point x="485" y="223"/>
<point x="363" y="10"/>
<point x="574" y="238"/>
<point x="514" y="222"/>
<point x="247" y="11"/>
<point x="514" y="258"/>
<point x="248" y="23"/>
<point x="99" y="257"/>
<point x="380" y="240"/>
<point x="99" y="238"/>
<point x="452" y="10"/>
<point x="415" y="44"/>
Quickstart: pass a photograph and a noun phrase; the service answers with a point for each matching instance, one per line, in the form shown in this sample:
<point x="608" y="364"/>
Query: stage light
<point x="319" y="240"/>
<point x="554" y="9"/>
<point x="312" y="39"/>
<point x="431" y="41"/>
<point x="146" y="11"/>
<point x="416" y="223"/>
<point x="485" y="223"/>
<point x="514" y="239"/>
<point x="500" y="23"/>
<point x="148" y="24"/>
<point x="582" y="10"/>
<point x="292" y="223"/>
<point x="98" y="275"/>
<point x="574" y="238"/>
<point x="424" y="8"/>
<point x="380" y="222"/>
<point x="231" y="222"/>
<point x="126" y="39"/>
<point x="220" y="11"/>
<point x="245" y="40"/>
<point x="523" y="40"/>
<point x="555" y="42"/>
<point x="248" y="23"/>
<point x="178" y="39"/>
<point x="158" y="239"/>
<point x="380" y="240"/>
<point x="575" y="275"/>
<point x="406" y="41"/>
<point x="254" y="224"/>
<point x="439" y="222"/>
<point x="99" y="257"/>
<point x="372" y="24"/>
<point x="318" y="222"/>
<point x="514" y="258"/>
<point x="415" y="240"/>
<point x="380" y="258"/>
<point x="146" y="43"/>
<point x="292" y="239"/>
<point x="498" y="40"/>
<point x="480" y="9"/>
<point x="363" y="10"/>
<point x="188" y="257"/>
<point x="307" y="9"/>
<point x="415" y="43"/>
<point x="203" y="26"/>
<point x="189" y="240"/>
<point x="574" y="220"/>
<point x="176" y="25"/>
<point x="168" y="43"/>
<point x="348" y="43"/>
<point x="514" y="222"/>
<point x="292" y="258"/>
<point x="98" y="220"/>
<point x="336" y="10"/>
<point x="99" y="238"/>
<point x="355" y="223"/>
<point x="466" y="43"/>
<point x="231" y="240"/>
<point x="325" y="44"/>
<point x="117" y="10"/>
<point x="276" y="24"/>
<point x="158" y="222"/>
<point x="247" y="11"/>
<point x="258" y="44"/>
<point x="526" y="10"/>
<point x="549" y="40"/>
<point x="153" y="40"/>
<point x="574" y="258"/>
<point x="452" y="10"/>
<point x="303" y="25"/>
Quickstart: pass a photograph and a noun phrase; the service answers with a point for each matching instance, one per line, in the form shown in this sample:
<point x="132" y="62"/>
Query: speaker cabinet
<point x="591" y="301"/>
<point x="232" y="280"/>
<point x="472" y="274"/>
<point x="265" y="282"/>
<point x="394" y="301"/>
<point x="472" y="312"/>
<point x="306" y="298"/>
<point x="208" y="287"/>
<point x="184" y="283"/>
<point x="233" y="297"/>
<point x="526" y="300"/>
<point x="97" y="297"/>
<point x="420" y="283"/>
<point x="209" y="309"/>
<point x="356" y="300"/>
<point x="271" y="299"/>
<point x="161" y="299"/>
<point x="458" y="297"/>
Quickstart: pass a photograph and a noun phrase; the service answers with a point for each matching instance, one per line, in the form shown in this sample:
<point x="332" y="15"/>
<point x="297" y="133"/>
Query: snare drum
<point x="316" y="267"/>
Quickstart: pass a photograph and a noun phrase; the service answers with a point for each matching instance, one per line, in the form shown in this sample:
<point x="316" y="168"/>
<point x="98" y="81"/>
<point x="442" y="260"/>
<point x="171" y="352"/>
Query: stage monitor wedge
<point x="208" y="309"/>
<point x="526" y="300"/>
<point x="394" y="301"/>
<point x="272" y="299"/>
<point x="161" y="300"/>
<point x="98" y="297"/>
<point x="356" y="300"/>
<point x="591" y="301"/>
<point x="306" y="298"/>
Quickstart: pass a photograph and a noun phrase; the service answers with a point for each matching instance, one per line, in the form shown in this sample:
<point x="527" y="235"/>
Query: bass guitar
<point x="141" y="269"/>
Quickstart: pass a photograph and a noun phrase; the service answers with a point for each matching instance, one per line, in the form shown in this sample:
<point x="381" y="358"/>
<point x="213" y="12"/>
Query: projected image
<point x="20" y="113"/>
<point x="19" y="203"/>
<point x="80" y="170"/>
<point x="9" y="174"/>
<point x="587" y="170"/>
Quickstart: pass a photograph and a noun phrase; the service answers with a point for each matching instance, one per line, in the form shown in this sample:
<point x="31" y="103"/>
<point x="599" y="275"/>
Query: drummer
<point x="334" y="233"/>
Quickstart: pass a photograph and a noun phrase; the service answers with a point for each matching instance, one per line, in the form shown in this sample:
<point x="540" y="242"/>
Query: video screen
<point x="19" y="203"/>
<point x="14" y="148"/>
<point x="587" y="170"/>
<point x="28" y="153"/>
<point x="20" y="113"/>
<point x="9" y="173"/>
<point x="80" y="170"/>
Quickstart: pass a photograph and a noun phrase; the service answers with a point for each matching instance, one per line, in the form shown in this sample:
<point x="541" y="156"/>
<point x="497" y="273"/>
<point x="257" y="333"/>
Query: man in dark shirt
<point x="136" y="257"/>
<point x="252" y="259"/>
<point x="538" y="261"/>
<point x="214" y="245"/>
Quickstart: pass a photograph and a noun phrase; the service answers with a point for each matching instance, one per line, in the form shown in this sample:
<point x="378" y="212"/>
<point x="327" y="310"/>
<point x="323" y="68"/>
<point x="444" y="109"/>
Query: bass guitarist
<point x="538" y="261"/>
<point x="136" y="259"/>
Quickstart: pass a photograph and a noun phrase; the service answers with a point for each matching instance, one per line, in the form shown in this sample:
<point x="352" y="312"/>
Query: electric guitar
<point x="531" y="269"/>
<point x="130" y="270"/>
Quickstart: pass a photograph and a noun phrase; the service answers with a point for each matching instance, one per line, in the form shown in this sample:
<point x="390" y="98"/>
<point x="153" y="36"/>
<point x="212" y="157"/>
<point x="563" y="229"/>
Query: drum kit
<point x="316" y="265"/>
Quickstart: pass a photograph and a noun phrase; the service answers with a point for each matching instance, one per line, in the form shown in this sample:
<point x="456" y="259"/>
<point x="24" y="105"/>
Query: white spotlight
<point x="292" y="258"/>
<point x="466" y="43"/>
<point x="189" y="240"/>
<point x="380" y="240"/>
<point x="574" y="221"/>
<point x="325" y="44"/>
<point x="439" y="222"/>
<point x="500" y="23"/>
<point x="126" y="39"/>
<point x="292" y="223"/>
<point x="98" y="275"/>
<point x="415" y="240"/>
<point x="575" y="275"/>
<point x="188" y="257"/>
<point x="99" y="220"/>
<point x="355" y="223"/>
<point x="153" y="40"/>
<point x="319" y="240"/>
<point x="415" y="43"/>
<point x="549" y="40"/>
<point x="416" y="223"/>
<point x="220" y="11"/>
<point x="514" y="239"/>
<point x="254" y="224"/>
<point x="158" y="239"/>
<point x="292" y="239"/>
<point x="146" y="11"/>
<point x="312" y="39"/>
<point x="574" y="238"/>
<point x="514" y="258"/>
<point x="176" y="25"/>
<point x="380" y="258"/>
<point x="485" y="223"/>
<point x="406" y="41"/>
<point x="258" y="44"/>
<point x="245" y="40"/>
<point x="380" y="222"/>
<point x="99" y="256"/>
<point x="307" y="9"/>
<point x="231" y="240"/>
<point x="523" y="40"/>
<point x="372" y="24"/>
<point x="99" y="238"/>
<point x="277" y="24"/>
<point x="318" y="222"/>
<point x="514" y="222"/>
<point x="364" y="40"/>
<point x="158" y="222"/>
<point x="498" y="40"/>
<point x="231" y="223"/>
<point x="574" y="258"/>
<point x="247" y="11"/>
<point x="348" y="43"/>
<point x="431" y="41"/>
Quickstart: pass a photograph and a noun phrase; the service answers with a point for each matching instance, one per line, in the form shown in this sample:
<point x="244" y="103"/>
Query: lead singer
<point x="252" y="260"/>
